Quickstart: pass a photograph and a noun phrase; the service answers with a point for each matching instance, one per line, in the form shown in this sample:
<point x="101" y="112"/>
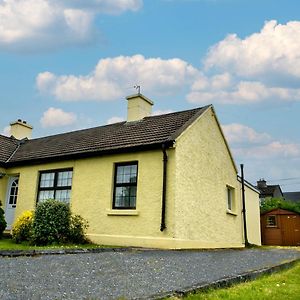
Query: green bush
<point x="54" y="224"/>
<point x="2" y="220"/>
<point x="51" y="222"/>
<point x="272" y="203"/>
<point x="78" y="227"/>
<point x="22" y="228"/>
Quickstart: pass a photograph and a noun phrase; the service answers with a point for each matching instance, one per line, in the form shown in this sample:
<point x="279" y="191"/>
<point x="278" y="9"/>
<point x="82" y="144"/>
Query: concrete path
<point x="131" y="274"/>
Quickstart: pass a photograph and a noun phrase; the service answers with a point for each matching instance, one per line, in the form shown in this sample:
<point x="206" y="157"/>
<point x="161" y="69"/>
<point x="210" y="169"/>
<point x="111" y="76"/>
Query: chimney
<point x="261" y="183"/>
<point x="20" y="129"/>
<point x="139" y="106"/>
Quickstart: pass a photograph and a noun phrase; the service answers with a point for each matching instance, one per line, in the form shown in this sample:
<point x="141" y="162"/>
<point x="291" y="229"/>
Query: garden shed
<point x="280" y="227"/>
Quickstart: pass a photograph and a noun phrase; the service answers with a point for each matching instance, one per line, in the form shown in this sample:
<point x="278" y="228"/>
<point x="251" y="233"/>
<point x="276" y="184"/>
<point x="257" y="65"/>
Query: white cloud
<point x="275" y="49"/>
<point x="248" y="143"/>
<point x="162" y="112"/>
<point x="112" y="77"/>
<point x="6" y="131"/>
<point x="242" y="92"/>
<point x="44" y="24"/>
<point x="115" y="119"/>
<point x="239" y="133"/>
<point x="262" y="155"/>
<point x="270" y="151"/>
<point x="56" y="117"/>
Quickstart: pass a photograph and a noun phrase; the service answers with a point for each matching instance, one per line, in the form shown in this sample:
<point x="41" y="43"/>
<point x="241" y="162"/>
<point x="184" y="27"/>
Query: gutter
<point x="164" y="190"/>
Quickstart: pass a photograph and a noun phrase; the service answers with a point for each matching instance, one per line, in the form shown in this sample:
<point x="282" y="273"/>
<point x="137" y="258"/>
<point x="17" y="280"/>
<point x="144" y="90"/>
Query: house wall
<point x="92" y="193"/>
<point x="3" y="187"/>
<point x="252" y="216"/>
<point x="204" y="168"/>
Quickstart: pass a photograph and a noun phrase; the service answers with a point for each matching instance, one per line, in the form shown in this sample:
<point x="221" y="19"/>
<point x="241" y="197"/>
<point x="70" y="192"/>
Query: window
<point x="125" y="184"/>
<point x="55" y="185"/>
<point x="271" y="221"/>
<point x="230" y="198"/>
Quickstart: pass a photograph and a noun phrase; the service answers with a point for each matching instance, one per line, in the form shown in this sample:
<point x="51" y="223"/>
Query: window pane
<point x="126" y="174"/>
<point x="64" y="178"/>
<point x="45" y="195"/>
<point x="47" y="180"/>
<point x="63" y="195"/>
<point x="125" y="197"/>
<point x="229" y="198"/>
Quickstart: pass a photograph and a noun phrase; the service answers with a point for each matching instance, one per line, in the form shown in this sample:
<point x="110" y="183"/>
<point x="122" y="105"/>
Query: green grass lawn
<point x="283" y="285"/>
<point x="9" y="244"/>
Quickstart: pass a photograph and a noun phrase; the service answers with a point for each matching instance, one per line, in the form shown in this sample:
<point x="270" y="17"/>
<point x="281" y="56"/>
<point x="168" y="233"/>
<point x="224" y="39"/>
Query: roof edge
<point x="154" y="146"/>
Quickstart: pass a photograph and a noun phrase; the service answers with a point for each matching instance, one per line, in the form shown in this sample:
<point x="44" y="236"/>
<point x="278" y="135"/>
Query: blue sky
<point x="66" y="65"/>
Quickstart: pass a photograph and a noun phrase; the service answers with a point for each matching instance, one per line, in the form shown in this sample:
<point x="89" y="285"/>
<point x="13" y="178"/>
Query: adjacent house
<point x="166" y="181"/>
<point x="280" y="227"/>
<point x="268" y="191"/>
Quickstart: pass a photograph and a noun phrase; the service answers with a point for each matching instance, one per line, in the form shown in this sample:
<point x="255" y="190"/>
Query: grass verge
<point x="283" y="285"/>
<point x="9" y="244"/>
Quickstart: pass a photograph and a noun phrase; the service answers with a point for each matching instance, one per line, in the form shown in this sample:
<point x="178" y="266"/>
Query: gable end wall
<point x="204" y="168"/>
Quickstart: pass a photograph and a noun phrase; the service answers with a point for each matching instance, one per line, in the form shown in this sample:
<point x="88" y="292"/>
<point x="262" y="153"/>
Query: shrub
<point x="51" y="222"/>
<point x="22" y="228"/>
<point x="271" y="203"/>
<point x="78" y="227"/>
<point x="2" y="220"/>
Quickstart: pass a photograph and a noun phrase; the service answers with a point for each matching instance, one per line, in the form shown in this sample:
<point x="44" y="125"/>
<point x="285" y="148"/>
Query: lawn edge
<point x="225" y="282"/>
<point x="38" y="252"/>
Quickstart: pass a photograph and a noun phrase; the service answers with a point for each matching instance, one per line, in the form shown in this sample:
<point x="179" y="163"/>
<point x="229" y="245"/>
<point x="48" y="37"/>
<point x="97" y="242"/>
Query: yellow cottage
<point x="166" y="181"/>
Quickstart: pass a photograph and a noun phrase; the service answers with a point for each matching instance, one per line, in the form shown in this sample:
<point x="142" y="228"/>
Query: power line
<point x="285" y="184"/>
<point x="284" y="179"/>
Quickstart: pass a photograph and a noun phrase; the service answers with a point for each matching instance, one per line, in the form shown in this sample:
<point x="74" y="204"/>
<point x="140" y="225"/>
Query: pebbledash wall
<point x="92" y="193"/>
<point x="201" y="188"/>
<point x="200" y="168"/>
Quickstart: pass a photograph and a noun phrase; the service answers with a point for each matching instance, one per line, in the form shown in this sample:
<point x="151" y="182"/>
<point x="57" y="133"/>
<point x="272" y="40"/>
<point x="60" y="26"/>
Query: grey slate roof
<point x="269" y="191"/>
<point x="292" y="196"/>
<point x="149" y="132"/>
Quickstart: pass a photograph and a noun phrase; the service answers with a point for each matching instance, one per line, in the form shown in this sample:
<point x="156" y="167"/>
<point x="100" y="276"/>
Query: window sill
<point x="122" y="212"/>
<point x="230" y="212"/>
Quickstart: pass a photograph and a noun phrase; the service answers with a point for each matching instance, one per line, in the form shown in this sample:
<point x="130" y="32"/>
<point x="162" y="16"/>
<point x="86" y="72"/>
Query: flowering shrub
<point x="22" y="228"/>
<point x="2" y="221"/>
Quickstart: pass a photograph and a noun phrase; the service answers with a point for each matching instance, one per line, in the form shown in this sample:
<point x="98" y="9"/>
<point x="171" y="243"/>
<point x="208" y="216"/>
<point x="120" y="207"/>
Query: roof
<point x="148" y="133"/>
<point x="7" y="148"/>
<point x="248" y="184"/>
<point x="292" y="196"/>
<point x="268" y="191"/>
<point x="280" y="211"/>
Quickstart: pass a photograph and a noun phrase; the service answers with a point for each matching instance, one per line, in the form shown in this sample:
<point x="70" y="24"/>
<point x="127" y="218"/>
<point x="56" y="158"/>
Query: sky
<point x="69" y="64"/>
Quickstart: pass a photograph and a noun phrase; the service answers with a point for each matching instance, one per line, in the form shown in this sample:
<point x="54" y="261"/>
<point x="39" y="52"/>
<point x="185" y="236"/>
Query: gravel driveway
<point x="126" y="275"/>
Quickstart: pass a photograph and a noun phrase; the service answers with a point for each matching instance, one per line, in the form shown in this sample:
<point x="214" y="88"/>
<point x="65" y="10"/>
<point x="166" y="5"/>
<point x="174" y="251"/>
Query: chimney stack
<point x="261" y="183"/>
<point x="20" y="129"/>
<point x="138" y="107"/>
